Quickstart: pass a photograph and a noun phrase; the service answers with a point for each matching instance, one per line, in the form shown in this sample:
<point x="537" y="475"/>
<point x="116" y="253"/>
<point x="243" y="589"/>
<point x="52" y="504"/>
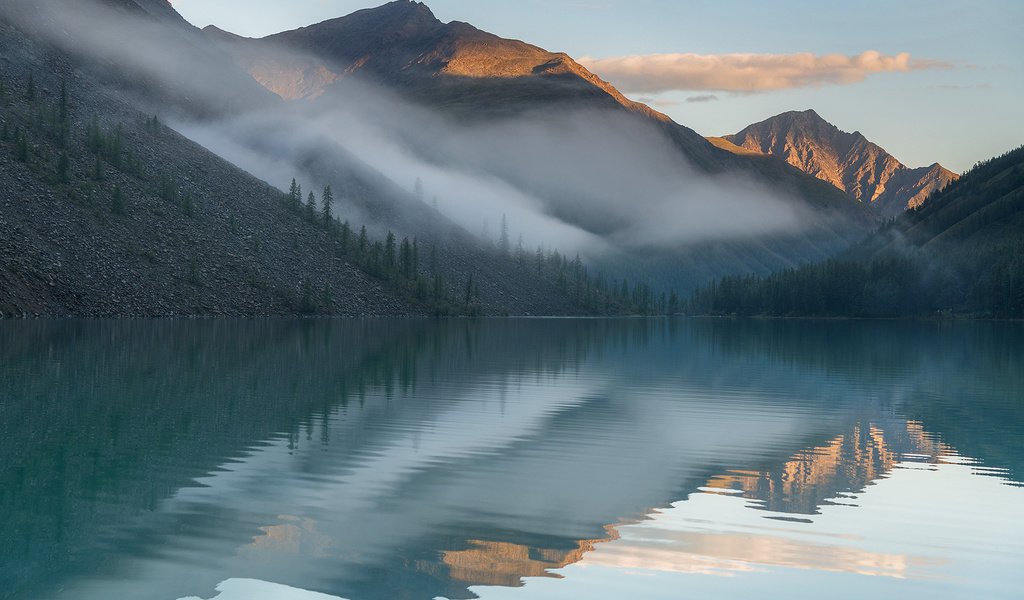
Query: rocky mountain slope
<point x="106" y="211"/>
<point x="128" y="238"/>
<point x="846" y="160"/>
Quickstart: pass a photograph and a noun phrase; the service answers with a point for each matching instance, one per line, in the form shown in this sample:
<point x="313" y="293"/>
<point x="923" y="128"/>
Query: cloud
<point x="748" y="73"/>
<point x="702" y="98"/>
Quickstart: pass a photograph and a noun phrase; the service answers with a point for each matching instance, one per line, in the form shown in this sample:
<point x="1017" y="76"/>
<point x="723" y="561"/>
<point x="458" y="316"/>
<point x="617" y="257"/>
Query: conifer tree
<point x="30" y="88"/>
<point x="294" y="195"/>
<point x="363" y="241"/>
<point x="311" y="207"/>
<point x="389" y="252"/>
<point x="328" y="199"/>
<point x="673" y="303"/>
<point x="346" y="236"/>
<point x="405" y="259"/>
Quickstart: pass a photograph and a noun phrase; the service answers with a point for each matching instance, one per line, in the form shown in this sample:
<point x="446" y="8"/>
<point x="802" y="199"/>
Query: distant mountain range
<point x="961" y="253"/>
<point x="848" y="161"/>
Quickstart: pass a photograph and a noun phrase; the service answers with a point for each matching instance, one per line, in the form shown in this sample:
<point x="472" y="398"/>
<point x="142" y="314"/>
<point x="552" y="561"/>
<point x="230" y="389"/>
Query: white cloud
<point x="747" y="73"/>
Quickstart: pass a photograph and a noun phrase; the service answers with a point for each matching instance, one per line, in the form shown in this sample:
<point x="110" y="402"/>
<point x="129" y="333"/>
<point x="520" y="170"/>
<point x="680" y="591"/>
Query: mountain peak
<point x="406" y="17"/>
<point x="848" y="161"/>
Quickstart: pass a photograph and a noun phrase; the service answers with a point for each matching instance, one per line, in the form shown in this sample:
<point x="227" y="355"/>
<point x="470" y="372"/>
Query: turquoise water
<point x="518" y="459"/>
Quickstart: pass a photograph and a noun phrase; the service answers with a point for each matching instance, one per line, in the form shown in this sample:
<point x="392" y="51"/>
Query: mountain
<point x="961" y="252"/>
<point x="107" y="211"/>
<point x="402" y="43"/>
<point x="137" y="147"/>
<point x="846" y="160"/>
<point x="478" y="80"/>
<point x="453" y="66"/>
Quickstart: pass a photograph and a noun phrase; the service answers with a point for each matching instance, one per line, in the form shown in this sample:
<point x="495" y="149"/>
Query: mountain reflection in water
<point x="421" y="459"/>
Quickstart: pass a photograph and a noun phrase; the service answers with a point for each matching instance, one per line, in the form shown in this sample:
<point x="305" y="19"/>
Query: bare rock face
<point x="848" y="161"/>
<point x="404" y="46"/>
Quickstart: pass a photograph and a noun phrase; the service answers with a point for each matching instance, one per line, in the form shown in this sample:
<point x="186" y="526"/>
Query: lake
<point x="510" y="459"/>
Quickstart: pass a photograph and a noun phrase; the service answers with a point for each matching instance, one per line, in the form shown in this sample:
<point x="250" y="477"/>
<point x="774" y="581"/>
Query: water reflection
<point x="414" y="459"/>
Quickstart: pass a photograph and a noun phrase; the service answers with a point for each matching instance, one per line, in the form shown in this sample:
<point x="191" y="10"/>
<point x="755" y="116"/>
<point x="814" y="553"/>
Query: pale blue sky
<point x="968" y="110"/>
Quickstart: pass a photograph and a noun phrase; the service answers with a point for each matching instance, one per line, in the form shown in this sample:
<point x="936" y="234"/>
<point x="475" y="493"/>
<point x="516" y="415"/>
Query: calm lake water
<point x="511" y="459"/>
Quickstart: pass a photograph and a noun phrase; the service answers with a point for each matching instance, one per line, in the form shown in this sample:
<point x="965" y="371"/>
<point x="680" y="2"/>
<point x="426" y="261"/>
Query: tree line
<point x="961" y="253"/>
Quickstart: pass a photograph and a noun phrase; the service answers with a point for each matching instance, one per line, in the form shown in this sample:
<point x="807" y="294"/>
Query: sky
<point x="929" y="81"/>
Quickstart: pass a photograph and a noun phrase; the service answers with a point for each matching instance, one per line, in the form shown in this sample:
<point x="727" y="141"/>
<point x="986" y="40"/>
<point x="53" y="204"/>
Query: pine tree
<point x="328" y="199"/>
<point x="311" y="207"/>
<point x="389" y="252"/>
<point x="97" y="172"/>
<point x="469" y="290"/>
<point x="405" y="259"/>
<point x="30" y="89"/>
<point x="293" y="194"/>
<point x="363" y="241"/>
<point x="346" y="236"/>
